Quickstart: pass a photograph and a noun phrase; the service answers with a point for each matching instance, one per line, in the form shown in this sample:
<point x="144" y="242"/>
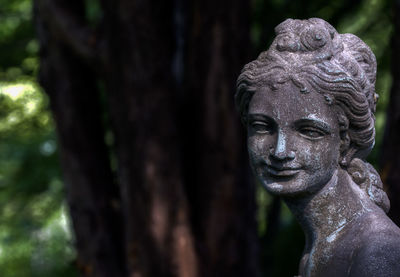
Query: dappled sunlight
<point x="58" y="225"/>
<point x="53" y="244"/>
<point x="14" y="91"/>
<point x="20" y="103"/>
<point x="47" y="241"/>
<point x="35" y="232"/>
<point x="26" y="94"/>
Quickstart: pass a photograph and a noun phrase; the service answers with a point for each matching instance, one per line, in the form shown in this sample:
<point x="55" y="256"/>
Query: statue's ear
<point x="350" y="151"/>
<point x="347" y="151"/>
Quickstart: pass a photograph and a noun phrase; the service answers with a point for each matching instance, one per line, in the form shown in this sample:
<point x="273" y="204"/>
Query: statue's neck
<point x="324" y="214"/>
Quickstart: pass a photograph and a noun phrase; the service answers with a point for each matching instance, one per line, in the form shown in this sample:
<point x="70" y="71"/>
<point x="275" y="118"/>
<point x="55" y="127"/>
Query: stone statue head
<point x="308" y="103"/>
<point x="313" y="93"/>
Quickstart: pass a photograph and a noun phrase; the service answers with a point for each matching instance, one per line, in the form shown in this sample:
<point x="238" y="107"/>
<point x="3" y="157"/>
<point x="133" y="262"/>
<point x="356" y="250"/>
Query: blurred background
<point x="121" y="153"/>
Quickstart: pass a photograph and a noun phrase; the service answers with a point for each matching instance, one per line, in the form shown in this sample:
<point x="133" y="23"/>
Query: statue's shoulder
<point x="379" y="252"/>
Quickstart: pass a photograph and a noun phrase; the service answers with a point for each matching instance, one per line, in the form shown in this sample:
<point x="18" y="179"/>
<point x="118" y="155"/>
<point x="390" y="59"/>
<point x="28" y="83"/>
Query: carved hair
<point x="315" y="57"/>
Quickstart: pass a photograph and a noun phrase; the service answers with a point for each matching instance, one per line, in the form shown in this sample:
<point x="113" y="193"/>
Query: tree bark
<point x="141" y="47"/>
<point x="92" y="195"/>
<point x="217" y="180"/>
<point x="187" y="208"/>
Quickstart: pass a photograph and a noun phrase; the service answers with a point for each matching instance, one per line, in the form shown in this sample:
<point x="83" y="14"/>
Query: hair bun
<point x="287" y="42"/>
<point x="366" y="177"/>
<point x="314" y="39"/>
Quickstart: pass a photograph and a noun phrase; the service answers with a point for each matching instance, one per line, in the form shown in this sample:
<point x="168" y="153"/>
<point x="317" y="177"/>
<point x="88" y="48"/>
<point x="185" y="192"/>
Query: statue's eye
<point x="261" y="127"/>
<point x="311" y="132"/>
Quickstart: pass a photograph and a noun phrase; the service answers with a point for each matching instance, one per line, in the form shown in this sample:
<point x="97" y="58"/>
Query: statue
<point x="308" y="104"/>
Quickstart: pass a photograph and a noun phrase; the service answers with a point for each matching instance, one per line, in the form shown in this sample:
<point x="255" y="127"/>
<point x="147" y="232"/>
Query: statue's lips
<point x="282" y="171"/>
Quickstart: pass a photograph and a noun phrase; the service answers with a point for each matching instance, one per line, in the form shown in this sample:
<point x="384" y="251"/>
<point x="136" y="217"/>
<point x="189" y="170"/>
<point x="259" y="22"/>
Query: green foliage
<point x="93" y="12"/>
<point x="35" y="239"/>
<point x="35" y="236"/>
<point x="18" y="48"/>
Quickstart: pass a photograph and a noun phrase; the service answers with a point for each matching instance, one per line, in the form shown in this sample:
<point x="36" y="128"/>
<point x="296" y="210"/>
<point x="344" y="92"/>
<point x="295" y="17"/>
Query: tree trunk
<point x="143" y="107"/>
<point x="187" y="208"/>
<point x="92" y="194"/>
<point x="390" y="159"/>
<point x="214" y="142"/>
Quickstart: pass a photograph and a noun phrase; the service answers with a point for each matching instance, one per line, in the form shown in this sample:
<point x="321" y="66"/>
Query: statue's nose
<point x="281" y="150"/>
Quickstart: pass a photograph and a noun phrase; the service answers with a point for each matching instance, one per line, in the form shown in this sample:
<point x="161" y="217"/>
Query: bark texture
<point x="224" y="224"/>
<point x="178" y="202"/>
<point x="92" y="193"/>
<point x="143" y="107"/>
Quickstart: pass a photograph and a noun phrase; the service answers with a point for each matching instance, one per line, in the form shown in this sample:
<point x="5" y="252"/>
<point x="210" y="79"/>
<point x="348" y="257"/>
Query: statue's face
<point x="293" y="140"/>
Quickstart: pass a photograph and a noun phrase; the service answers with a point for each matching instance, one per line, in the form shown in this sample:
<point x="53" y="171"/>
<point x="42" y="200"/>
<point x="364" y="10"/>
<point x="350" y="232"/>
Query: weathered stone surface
<point x="308" y="104"/>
